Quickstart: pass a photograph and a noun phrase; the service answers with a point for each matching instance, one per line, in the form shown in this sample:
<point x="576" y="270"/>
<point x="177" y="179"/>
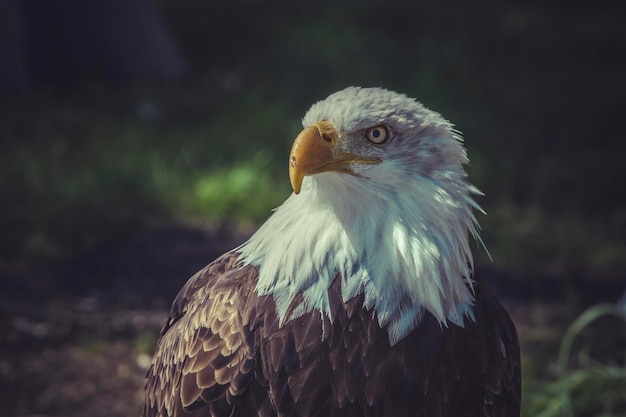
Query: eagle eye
<point x="377" y="134"/>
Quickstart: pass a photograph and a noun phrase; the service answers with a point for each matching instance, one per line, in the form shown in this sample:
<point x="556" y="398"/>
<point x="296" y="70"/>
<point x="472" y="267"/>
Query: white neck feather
<point x="406" y="252"/>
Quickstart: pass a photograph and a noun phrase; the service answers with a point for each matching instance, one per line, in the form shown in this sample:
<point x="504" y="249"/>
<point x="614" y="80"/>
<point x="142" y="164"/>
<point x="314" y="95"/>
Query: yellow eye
<point x="377" y="134"/>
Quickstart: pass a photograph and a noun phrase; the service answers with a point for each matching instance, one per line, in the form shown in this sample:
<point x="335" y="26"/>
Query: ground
<point x="77" y="337"/>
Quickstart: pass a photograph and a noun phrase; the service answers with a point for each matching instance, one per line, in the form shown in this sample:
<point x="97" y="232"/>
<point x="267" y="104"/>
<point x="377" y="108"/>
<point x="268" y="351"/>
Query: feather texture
<point x="397" y="232"/>
<point x="350" y="369"/>
<point x="358" y="297"/>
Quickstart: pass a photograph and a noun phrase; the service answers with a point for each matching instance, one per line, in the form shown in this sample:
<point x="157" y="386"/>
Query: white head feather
<point x="396" y="231"/>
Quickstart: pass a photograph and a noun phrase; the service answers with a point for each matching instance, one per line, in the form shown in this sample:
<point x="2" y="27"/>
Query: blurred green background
<point x="89" y="156"/>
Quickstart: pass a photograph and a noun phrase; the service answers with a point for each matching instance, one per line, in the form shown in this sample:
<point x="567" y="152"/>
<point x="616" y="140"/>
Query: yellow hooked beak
<point x="315" y="151"/>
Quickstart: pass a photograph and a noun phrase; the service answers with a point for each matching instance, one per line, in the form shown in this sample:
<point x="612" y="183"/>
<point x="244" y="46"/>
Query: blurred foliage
<point x="586" y="384"/>
<point x="83" y="169"/>
<point x="537" y="89"/>
<point x="595" y="390"/>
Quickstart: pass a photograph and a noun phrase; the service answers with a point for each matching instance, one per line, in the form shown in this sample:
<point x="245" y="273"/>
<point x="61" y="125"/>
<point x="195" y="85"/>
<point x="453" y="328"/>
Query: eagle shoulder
<point x="204" y="361"/>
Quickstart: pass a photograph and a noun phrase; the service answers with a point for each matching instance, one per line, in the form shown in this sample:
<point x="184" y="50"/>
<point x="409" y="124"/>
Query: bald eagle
<point x="358" y="297"/>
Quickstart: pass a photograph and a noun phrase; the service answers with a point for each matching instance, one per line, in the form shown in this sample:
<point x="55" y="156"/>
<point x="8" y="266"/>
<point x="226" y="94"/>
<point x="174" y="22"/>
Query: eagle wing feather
<point x="204" y="362"/>
<point x="222" y="353"/>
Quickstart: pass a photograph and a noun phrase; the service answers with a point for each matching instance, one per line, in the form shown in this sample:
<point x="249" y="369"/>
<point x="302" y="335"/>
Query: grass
<point x="74" y="174"/>
<point x="583" y="385"/>
<point x="535" y="242"/>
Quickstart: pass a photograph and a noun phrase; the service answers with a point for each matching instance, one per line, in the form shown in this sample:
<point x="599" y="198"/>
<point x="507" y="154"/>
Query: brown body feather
<point x="222" y="353"/>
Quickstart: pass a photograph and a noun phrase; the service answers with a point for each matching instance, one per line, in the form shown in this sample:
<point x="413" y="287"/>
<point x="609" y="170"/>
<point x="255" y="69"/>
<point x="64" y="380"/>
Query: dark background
<point x="140" y="139"/>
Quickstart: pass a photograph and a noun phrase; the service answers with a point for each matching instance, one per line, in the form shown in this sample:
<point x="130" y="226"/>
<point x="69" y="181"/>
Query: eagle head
<point x="376" y="134"/>
<point x="381" y="203"/>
